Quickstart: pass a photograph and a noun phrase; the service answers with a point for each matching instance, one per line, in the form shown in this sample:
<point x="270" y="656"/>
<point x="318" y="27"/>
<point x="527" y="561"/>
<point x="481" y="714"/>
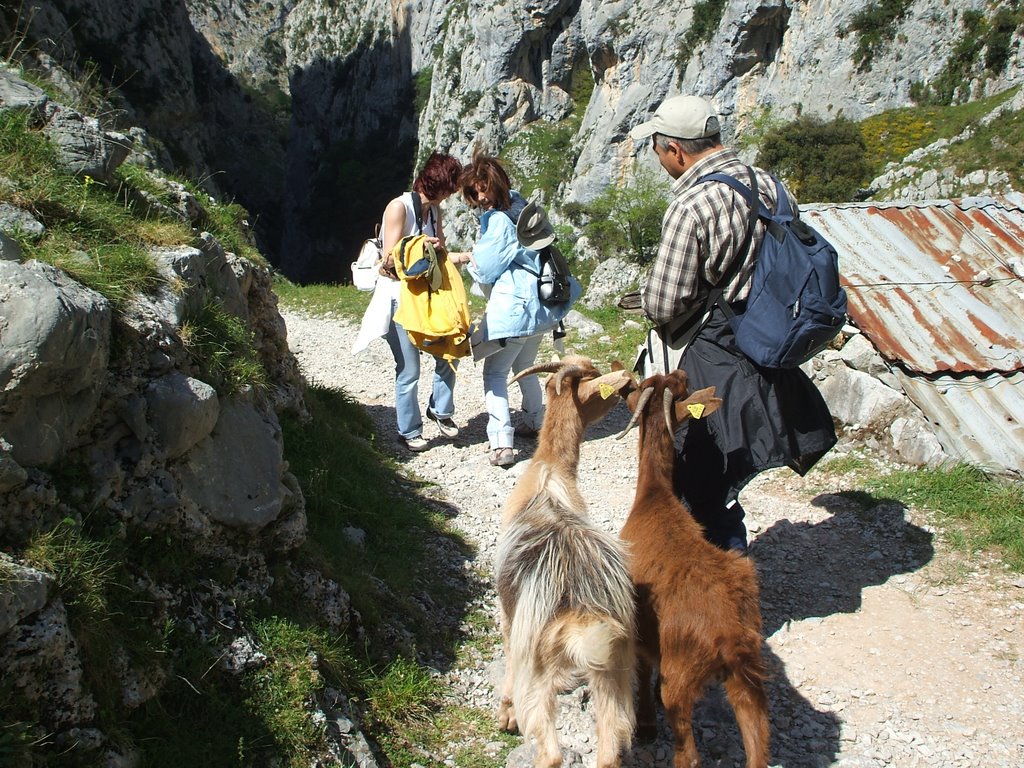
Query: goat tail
<point x="589" y="643"/>
<point x="600" y="647"/>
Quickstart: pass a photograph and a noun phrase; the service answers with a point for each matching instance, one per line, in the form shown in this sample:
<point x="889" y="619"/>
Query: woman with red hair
<point x="409" y="214"/>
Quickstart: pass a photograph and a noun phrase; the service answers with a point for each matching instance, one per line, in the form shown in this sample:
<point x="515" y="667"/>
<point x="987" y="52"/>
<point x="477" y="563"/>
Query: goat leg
<point x="679" y="694"/>
<point x="749" y="702"/>
<point x="613" y="699"/>
<point x="506" y="710"/>
<point x="646" y="713"/>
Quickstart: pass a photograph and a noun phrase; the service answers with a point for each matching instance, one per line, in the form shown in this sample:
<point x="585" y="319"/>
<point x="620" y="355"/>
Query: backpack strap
<point x="757" y="208"/>
<point x="417" y="209"/>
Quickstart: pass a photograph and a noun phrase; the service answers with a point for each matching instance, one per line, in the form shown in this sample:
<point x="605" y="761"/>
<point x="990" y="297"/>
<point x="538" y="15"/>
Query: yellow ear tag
<point x="606" y="390"/>
<point x="696" y="409"/>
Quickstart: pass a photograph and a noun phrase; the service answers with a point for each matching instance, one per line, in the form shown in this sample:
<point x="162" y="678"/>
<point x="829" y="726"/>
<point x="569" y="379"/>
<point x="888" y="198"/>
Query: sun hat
<point x="682" y="117"/>
<point x="533" y="228"/>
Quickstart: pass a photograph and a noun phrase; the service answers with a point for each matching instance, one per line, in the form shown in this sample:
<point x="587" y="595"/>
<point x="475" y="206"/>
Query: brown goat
<point x="567" y="602"/>
<point x="699" y="617"/>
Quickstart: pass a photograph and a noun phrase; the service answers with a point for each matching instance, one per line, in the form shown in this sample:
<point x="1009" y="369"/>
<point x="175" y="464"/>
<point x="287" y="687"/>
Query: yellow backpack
<point x="432" y="305"/>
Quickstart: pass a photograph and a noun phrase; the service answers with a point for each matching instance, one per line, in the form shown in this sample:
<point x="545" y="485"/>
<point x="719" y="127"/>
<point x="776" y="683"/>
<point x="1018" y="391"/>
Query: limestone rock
<point x="54" y="347"/>
<point x="12" y="474"/>
<point x="9" y="248"/>
<point x="609" y="281"/>
<point x="859" y="399"/>
<point x="23" y="591"/>
<point x="19" y="94"/>
<point x="83" y="147"/>
<point x="915" y="443"/>
<point x="41" y="665"/>
<point x="182" y="411"/>
<point x="235" y="474"/>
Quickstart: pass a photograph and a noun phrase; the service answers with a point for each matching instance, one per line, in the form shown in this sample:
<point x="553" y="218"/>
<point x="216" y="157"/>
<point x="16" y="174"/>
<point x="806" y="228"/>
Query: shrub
<point x="626" y="220"/>
<point x="954" y="82"/>
<point x="999" y="38"/>
<point x="707" y="15"/>
<point x="875" y="27"/>
<point x="820" y="161"/>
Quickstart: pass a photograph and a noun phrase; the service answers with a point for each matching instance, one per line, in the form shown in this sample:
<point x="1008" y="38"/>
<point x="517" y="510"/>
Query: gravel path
<point x="885" y="648"/>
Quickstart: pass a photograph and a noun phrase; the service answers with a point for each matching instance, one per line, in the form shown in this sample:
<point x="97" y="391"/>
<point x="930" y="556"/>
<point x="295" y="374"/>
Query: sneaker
<point x="415" y="444"/>
<point x="502" y="457"/>
<point x="445" y="424"/>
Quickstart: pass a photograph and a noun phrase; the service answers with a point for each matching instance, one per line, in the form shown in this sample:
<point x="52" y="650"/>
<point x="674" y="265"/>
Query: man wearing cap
<point x="769" y="417"/>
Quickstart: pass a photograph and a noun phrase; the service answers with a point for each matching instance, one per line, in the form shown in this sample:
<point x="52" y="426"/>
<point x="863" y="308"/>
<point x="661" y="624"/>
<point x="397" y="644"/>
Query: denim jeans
<point x="407" y="379"/>
<point x="517" y="354"/>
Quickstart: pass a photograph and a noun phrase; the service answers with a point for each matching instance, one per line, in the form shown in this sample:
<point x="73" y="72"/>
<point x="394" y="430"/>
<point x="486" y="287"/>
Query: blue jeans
<point x="407" y="379"/>
<point x="518" y="354"/>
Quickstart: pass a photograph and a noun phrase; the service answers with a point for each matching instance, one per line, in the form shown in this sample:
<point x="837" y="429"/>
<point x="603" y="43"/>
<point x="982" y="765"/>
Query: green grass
<point x="983" y="511"/>
<point x="624" y="340"/>
<point x="100" y="233"/>
<point x="221" y="344"/>
<point x="403" y="696"/>
<point x="851" y="463"/>
<point x="351" y="485"/>
<point x="90" y="232"/>
<point x="84" y="570"/>
<point x="892" y="135"/>
<point x="321" y="299"/>
<point x="1000" y="143"/>
<point x="300" y="661"/>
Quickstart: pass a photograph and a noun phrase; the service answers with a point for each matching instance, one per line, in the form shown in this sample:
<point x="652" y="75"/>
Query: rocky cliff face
<point x="108" y="421"/>
<point x="368" y="87"/>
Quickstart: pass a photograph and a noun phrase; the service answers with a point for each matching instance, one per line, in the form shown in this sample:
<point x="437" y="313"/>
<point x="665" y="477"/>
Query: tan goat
<point x="699" y="617"/>
<point x="567" y="602"/>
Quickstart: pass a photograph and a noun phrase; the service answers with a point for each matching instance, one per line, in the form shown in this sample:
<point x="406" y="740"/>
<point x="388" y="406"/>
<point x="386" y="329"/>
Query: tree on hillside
<point x="822" y="162"/>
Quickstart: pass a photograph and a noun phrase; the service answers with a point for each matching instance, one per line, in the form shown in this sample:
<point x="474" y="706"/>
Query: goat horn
<point x="565" y="371"/>
<point x="538" y="368"/>
<point x="640" y="404"/>
<point x="667" y="400"/>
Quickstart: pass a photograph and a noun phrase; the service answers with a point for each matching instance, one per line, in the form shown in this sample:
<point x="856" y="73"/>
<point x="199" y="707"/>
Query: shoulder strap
<point x="782" y="206"/>
<point x="756" y="208"/>
<point x="417" y="209"/>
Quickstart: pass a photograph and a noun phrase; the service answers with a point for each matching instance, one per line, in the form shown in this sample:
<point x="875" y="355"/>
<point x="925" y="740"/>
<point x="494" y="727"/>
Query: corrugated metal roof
<point x="932" y="283"/>
<point x="936" y="286"/>
<point x="976" y="419"/>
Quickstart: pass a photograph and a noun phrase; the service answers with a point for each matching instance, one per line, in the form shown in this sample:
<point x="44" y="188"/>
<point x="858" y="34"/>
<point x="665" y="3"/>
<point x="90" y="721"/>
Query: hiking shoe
<point x="502" y="457"/>
<point x="525" y="432"/>
<point x="416" y="444"/>
<point x="447" y="427"/>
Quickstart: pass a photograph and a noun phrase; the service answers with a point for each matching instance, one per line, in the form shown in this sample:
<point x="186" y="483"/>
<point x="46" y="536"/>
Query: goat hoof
<point x="507" y="720"/>
<point x="647" y="733"/>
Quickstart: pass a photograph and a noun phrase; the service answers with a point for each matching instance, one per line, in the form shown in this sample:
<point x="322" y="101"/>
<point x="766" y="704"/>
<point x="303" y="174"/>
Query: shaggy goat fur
<point x="567" y="602"/>
<point x="699" y="613"/>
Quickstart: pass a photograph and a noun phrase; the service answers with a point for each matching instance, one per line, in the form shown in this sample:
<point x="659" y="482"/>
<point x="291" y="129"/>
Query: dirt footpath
<point x="886" y="648"/>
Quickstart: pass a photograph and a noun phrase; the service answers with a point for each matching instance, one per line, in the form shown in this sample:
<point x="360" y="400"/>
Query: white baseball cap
<point x="683" y="117"/>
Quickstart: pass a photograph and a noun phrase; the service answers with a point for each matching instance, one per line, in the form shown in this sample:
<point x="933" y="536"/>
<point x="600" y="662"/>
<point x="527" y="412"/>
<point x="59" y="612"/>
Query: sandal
<point x="502" y="457"/>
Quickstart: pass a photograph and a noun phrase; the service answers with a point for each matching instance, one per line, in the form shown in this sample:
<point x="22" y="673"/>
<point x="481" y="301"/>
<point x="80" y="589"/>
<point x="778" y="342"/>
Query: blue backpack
<point x="796" y="305"/>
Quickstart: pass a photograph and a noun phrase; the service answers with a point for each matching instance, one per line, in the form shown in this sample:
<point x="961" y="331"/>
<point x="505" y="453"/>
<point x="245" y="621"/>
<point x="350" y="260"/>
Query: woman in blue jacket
<point x="515" y="316"/>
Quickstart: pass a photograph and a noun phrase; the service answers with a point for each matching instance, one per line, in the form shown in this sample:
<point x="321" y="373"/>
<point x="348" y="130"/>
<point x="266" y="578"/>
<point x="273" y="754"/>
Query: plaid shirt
<point x="702" y="230"/>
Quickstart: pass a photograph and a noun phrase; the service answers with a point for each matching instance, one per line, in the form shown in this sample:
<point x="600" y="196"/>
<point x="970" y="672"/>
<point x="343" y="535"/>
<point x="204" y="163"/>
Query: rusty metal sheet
<point x="977" y="419"/>
<point x="933" y="284"/>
